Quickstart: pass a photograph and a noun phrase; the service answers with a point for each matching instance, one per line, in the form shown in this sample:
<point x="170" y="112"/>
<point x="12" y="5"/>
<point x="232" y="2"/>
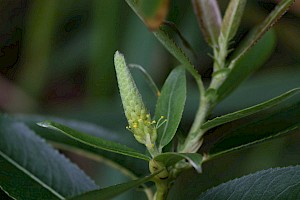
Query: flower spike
<point x="138" y="117"/>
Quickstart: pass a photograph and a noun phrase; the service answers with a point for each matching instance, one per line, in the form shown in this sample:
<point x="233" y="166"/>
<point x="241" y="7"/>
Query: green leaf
<point x="277" y="183"/>
<point x="113" y="191"/>
<point x="249" y="63"/>
<point x="209" y="19"/>
<point x="170" y="105"/>
<point x="172" y="47"/>
<point x="248" y="111"/>
<point x="127" y="165"/>
<point x="94" y="141"/>
<point x="232" y="19"/>
<point x="172" y="158"/>
<point x="176" y="51"/>
<point x="4" y="196"/>
<point x="31" y="169"/>
<point x="260" y="30"/>
<point x="252" y="130"/>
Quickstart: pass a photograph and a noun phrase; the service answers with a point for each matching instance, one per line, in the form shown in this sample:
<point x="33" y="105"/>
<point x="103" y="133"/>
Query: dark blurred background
<point x="56" y="59"/>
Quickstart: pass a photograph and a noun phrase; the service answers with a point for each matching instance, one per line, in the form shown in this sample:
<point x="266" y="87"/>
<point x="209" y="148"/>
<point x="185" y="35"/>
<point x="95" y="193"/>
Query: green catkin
<point x="138" y="117"/>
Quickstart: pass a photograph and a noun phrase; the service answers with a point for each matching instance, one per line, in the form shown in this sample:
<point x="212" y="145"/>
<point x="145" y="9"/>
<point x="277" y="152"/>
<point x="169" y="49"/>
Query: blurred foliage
<point x="56" y="58"/>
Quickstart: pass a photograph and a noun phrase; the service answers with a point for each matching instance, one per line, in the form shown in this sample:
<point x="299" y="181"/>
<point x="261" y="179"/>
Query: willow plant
<point x="170" y="149"/>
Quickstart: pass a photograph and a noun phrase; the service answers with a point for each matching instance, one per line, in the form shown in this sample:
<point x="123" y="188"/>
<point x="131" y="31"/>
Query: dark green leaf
<point x="277" y="183"/>
<point x="4" y="196"/>
<point x="31" y="169"/>
<point x="170" y="105"/>
<point x="252" y="130"/>
<point x="113" y="191"/>
<point x="260" y="30"/>
<point x="129" y="166"/>
<point x="209" y="19"/>
<point x="249" y="63"/>
<point x="172" y="158"/>
<point x="248" y="111"/>
<point x="94" y="141"/>
<point x="232" y="19"/>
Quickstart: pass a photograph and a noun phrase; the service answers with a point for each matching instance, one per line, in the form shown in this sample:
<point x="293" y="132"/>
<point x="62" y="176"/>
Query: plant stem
<point x="161" y="190"/>
<point x="153" y="151"/>
<point x="193" y="140"/>
<point x="220" y="53"/>
<point x="207" y="102"/>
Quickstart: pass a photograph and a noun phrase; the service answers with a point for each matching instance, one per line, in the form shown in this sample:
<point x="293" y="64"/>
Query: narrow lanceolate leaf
<point x="248" y="64"/>
<point x="232" y="19"/>
<point x="248" y="111"/>
<point x="94" y="141"/>
<point x="209" y="19"/>
<point x="251" y="130"/>
<point x="176" y="51"/>
<point x="170" y="106"/>
<point x="129" y="166"/>
<point x="31" y="169"/>
<point x="113" y="191"/>
<point x="169" y="44"/>
<point x="261" y="29"/>
<point x="277" y="183"/>
<point x="171" y="158"/>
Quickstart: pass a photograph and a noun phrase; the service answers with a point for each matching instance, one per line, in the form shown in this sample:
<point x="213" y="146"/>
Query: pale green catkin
<point x="138" y="117"/>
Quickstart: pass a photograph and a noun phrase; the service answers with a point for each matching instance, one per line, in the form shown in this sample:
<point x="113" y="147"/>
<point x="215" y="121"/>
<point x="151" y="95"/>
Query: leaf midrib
<point x="167" y="117"/>
<point x="14" y="163"/>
